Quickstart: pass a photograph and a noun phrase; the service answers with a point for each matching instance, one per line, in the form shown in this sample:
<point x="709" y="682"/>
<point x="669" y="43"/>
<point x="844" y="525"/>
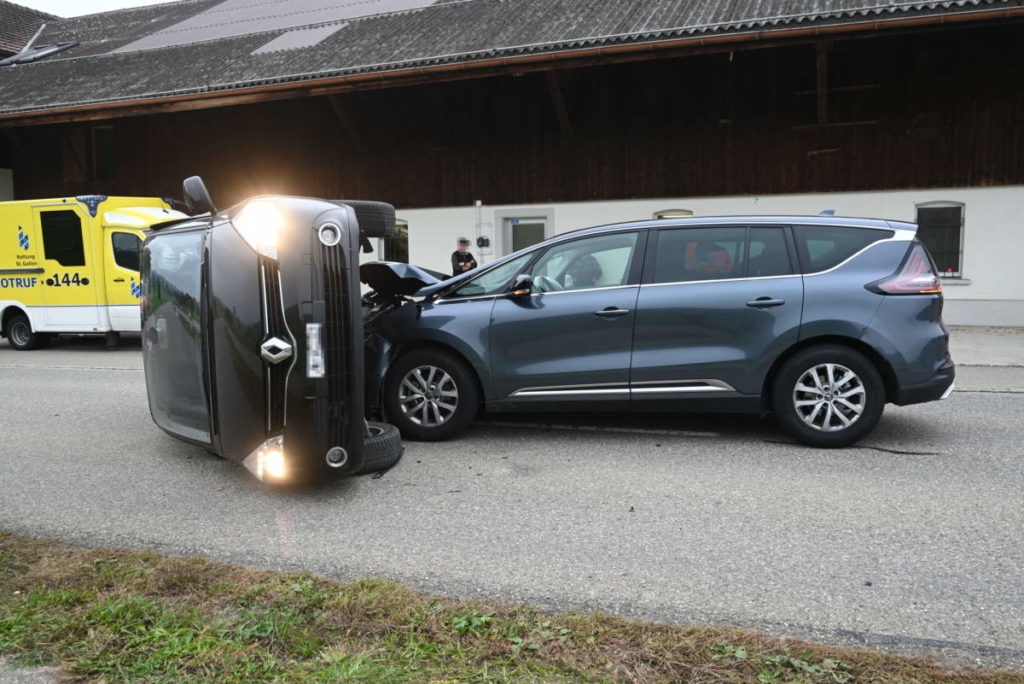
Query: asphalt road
<point x="912" y="542"/>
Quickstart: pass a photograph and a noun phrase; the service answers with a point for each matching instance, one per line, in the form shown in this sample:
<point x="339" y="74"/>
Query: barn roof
<point x="18" y="24"/>
<point x="219" y="48"/>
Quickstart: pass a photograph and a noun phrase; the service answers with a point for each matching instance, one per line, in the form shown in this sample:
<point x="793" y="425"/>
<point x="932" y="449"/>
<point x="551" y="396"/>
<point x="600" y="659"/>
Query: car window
<point x="822" y="247"/>
<point x="62" y="237"/>
<point x="692" y="254"/>
<point x="585" y="264"/>
<point x="768" y="253"/>
<point x="127" y="250"/>
<point x="494" y="281"/>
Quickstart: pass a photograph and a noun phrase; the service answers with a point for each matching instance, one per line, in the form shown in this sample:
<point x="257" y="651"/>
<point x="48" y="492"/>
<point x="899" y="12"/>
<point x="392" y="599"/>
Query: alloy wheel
<point x="829" y="397"/>
<point x="428" y="396"/>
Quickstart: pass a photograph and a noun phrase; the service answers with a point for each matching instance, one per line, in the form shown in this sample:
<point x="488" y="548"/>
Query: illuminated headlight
<point x="260" y="223"/>
<point x="268" y="461"/>
<point x="315" y="367"/>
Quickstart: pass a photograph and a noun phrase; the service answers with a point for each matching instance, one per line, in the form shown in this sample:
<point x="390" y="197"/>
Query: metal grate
<point x="338" y="376"/>
<point x="276" y="376"/>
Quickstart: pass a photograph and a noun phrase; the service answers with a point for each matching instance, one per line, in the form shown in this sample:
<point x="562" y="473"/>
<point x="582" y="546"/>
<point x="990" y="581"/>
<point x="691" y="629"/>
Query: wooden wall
<point x="929" y="109"/>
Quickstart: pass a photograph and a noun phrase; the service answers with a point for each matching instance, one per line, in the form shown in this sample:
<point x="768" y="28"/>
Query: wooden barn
<point x="514" y="120"/>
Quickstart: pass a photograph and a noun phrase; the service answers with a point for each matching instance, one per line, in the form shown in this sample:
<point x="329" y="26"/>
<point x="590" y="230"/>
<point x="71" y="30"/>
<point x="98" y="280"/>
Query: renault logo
<point x="275" y="350"/>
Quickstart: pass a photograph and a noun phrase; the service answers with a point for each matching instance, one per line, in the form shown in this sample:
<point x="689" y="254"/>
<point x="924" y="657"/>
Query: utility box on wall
<point x="6" y="185"/>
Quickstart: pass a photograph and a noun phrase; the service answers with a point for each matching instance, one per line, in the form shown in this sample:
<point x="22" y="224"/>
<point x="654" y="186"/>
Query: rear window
<point x="823" y="247"/>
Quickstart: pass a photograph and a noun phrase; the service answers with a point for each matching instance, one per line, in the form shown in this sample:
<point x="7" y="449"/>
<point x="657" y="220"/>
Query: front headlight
<point x="260" y="223"/>
<point x="267" y="462"/>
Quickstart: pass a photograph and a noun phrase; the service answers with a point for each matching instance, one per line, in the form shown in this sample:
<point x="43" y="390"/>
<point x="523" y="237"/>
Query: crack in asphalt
<point x="887" y="450"/>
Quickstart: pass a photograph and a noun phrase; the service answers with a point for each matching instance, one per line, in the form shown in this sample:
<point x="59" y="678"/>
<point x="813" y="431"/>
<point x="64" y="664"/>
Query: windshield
<point x="172" y="276"/>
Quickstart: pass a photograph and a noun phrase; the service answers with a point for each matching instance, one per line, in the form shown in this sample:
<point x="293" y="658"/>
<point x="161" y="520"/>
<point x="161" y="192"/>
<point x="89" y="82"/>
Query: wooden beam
<point x="345" y="119"/>
<point x="822" y="49"/>
<point x="555" y="91"/>
<point x="483" y="68"/>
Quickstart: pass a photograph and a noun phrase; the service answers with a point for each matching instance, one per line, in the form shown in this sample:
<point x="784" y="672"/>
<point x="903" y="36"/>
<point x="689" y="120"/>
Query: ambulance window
<point x="127" y="250"/>
<point x="62" y="237"/>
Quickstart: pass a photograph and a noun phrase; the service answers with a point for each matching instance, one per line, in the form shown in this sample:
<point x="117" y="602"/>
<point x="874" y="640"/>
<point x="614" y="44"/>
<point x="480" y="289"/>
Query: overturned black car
<point x="253" y="334"/>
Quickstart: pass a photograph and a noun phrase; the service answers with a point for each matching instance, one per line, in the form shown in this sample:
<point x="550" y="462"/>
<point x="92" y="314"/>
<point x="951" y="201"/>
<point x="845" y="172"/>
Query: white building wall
<point x="991" y="291"/>
<point x="6" y="185"/>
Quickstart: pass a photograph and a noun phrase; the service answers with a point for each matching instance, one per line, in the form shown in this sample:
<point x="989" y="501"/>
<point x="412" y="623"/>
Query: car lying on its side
<point x="819" y="320"/>
<point x="253" y="334"/>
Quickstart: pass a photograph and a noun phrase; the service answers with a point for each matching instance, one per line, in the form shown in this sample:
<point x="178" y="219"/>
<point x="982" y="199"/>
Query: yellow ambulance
<point x="71" y="265"/>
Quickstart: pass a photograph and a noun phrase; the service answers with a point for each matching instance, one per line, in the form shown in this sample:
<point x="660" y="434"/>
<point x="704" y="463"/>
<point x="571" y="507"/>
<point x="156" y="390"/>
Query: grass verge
<point x="108" y="615"/>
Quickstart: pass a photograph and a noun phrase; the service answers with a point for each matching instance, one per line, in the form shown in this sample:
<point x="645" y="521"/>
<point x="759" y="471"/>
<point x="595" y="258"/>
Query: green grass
<point x="107" y="615"/>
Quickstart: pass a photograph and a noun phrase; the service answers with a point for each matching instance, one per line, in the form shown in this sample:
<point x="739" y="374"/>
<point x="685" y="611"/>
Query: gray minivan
<point x="819" y="320"/>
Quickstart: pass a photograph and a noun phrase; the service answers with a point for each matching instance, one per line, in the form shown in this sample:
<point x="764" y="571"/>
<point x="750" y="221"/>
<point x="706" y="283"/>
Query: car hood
<point x="394" y="278"/>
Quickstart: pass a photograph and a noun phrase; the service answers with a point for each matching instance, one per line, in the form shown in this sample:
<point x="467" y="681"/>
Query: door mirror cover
<point x="197" y="197"/>
<point x="522" y="286"/>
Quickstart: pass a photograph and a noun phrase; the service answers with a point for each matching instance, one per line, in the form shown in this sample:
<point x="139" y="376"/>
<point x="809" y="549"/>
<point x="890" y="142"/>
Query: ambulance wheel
<point x="20" y="335"/>
<point x="382" y="448"/>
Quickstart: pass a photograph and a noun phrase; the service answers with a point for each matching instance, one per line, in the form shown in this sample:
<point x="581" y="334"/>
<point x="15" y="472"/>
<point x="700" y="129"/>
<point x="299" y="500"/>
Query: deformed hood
<point x="393" y="278"/>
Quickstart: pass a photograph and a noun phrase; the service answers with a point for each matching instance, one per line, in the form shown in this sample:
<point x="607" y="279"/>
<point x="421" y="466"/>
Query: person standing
<point x="462" y="259"/>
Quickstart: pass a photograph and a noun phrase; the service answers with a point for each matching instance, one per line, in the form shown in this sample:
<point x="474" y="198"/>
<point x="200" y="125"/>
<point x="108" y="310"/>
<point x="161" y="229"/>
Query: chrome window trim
<point x="584" y="289"/>
<point x="898" y="236"/>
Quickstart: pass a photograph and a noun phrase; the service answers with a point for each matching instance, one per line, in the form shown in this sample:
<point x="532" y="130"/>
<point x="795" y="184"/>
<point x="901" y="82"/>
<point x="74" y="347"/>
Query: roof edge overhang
<point x="230" y="95"/>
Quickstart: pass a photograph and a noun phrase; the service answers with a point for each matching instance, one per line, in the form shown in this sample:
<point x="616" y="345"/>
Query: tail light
<point x="915" y="277"/>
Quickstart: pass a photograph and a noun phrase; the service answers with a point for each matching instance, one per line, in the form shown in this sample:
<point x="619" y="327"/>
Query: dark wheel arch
<point x="883" y="367"/>
<point x="7" y="314"/>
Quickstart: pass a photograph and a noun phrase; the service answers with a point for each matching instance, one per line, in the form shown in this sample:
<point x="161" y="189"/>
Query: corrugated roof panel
<point x="445" y="32"/>
<point x="300" y="38"/>
<point x="233" y="18"/>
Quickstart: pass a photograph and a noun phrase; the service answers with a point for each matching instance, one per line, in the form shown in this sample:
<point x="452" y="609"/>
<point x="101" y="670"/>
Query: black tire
<point x="460" y="377"/>
<point x="864" y="391"/>
<point x="376" y="219"/>
<point x="21" y="336"/>
<point x="382" y="449"/>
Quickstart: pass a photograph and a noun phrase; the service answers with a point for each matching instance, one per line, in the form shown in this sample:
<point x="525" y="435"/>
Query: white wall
<point x="6" y="185"/>
<point x="991" y="292"/>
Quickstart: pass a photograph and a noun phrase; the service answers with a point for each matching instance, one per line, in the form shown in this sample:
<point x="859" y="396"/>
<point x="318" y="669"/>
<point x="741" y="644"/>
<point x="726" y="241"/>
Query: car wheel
<point x="828" y="396"/>
<point x="382" y="448"/>
<point x="431" y="395"/>
<point x="376" y="219"/>
<point x="20" y="335"/>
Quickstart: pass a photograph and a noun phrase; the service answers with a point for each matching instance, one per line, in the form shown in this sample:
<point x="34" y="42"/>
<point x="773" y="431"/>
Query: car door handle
<point x="118" y="280"/>
<point x="611" y="312"/>
<point x="765" y="302"/>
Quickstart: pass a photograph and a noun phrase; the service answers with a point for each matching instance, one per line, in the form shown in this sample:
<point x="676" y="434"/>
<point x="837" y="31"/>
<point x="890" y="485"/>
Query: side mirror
<point x="522" y="286"/>
<point x="197" y="197"/>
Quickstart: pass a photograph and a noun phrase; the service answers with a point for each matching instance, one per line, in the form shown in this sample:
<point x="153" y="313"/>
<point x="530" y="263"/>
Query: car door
<point x="122" y="253"/>
<point x="717" y="307"/>
<point x="570" y="339"/>
<point x="70" y="290"/>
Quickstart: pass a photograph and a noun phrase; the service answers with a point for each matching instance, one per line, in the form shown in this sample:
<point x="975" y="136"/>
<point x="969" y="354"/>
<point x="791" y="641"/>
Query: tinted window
<point x="127" y="250"/>
<point x="62" y="237"/>
<point x="585" y="264"/>
<point x="172" y="335"/>
<point x="822" y="247"/>
<point x="691" y="254"/>
<point x="494" y="281"/>
<point x="768" y="254"/>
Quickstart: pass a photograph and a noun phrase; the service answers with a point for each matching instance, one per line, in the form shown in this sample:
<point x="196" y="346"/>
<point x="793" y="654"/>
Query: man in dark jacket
<point x="462" y="260"/>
